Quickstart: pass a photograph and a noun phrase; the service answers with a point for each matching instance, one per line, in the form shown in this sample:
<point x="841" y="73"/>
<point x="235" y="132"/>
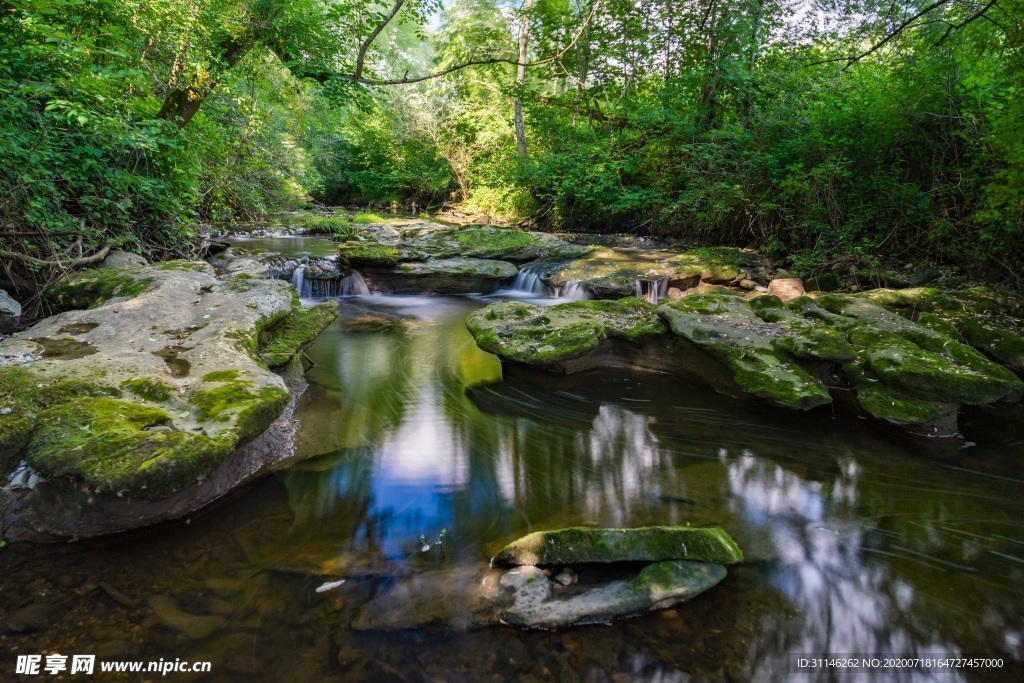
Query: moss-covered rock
<point x="755" y="350"/>
<point x="533" y="334"/>
<point x="126" y="413"/>
<point x="361" y="254"/>
<point x="18" y="402"/>
<point x="92" y="288"/>
<point x="118" y="446"/>
<point x="149" y="388"/>
<point x="280" y="342"/>
<point x="251" y="410"/>
<point x="577" y="545"/>
<point x="434" y="242"/>
<point x="719" y="265"/>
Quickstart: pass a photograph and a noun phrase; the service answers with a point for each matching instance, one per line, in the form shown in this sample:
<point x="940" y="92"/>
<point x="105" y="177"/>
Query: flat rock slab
<point x="614" y="273"/>
<point x="154" y="381"/>
<point x="525" y="597"/>
<point x="432" y="242"/>
<point x="902" y="352"/>
<point x="577" y="545"/>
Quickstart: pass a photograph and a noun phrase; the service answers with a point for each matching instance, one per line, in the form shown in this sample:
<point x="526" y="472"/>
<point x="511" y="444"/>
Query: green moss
<point x="1005" y="345"/>
<point x="527" y="333"/>
<point x="214" y="403"/>
<point x="18" y="391"/>
<point x="280" y="342"/>
<point x="369" y="254"/>
<point x="365" y="218"/>
<point x="92" y="288"/>
<point x="220" y="376"/>
<point x="68" y="390"/>
<point x="253" y="411"/>
<point x="112" y="445"/>
<point x="717" y="264"/>
<point x="242" y="283"/>
<point x="807" y="339"/>
<point x="940" y="325"/>
<point x="754" y="350"/>
<point x="149" y="388"/>
<point x="185" y="266"/>
<point x="492" y="242"/>
<point x="336" y="227"/>
<point x="576" y="545"/>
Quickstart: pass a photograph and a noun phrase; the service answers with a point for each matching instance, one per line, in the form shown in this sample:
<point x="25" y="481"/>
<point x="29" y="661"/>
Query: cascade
<point x="354" y="285"/>
<point x="298" y="277"/>
<point x="653" y="292"/>
<point x="572" y="291"/>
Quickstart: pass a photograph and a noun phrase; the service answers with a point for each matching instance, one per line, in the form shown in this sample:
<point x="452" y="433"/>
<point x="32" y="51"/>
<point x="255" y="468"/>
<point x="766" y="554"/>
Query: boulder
<point x="577" y="545"/>
<point x="756" y="351"/>
<point x="534" y="334"/>
<point x="152" y="381"/>
<point x="786" y="289"/>
<point x="906" y="373"/>
<point x="123" y="259"/>
<point x="10" y="313"/>
<point x="442" y="276"/>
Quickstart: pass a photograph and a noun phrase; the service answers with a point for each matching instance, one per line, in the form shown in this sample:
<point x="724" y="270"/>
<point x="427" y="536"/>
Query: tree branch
<point x="957" y="27"/>
<point x="357" y="77"/>
<point x="361" y="57"/>
<point x="850" y="61"/>
<point x="74" y="263"/>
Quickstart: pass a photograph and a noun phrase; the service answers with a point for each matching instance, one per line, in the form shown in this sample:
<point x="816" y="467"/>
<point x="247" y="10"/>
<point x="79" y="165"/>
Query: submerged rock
<point x="527" y="598"/>
<point x="537" y="603"/>
<point x="648" y="544"/>
<point x="193" y="626"/>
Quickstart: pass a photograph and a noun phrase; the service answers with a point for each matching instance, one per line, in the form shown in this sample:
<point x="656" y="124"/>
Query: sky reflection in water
<point x="870" y="545"/>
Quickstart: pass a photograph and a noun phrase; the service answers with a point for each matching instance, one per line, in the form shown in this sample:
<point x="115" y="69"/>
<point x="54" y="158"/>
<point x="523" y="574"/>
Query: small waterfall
<point x="572" y="291"/>
<point x="354" y="285"/>
<point x="652" y="291"/>
<point x="528" y="282"/>
<point x="298" y="276"/>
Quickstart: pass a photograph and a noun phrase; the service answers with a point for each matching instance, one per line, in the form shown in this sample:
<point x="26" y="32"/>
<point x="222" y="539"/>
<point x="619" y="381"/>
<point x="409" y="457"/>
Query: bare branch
<point x="850" y="61"/>
<point x="74" y="263"/>
<point x="957" y="27"/>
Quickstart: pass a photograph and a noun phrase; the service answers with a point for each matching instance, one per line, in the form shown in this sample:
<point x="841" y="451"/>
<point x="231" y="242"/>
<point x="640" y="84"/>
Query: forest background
<point x="822" y="132"/>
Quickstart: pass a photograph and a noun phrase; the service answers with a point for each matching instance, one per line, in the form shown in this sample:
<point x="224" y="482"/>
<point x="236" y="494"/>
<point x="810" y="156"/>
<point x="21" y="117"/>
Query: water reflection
<point x="874" y="548"/>
<point x="856" y="541"/>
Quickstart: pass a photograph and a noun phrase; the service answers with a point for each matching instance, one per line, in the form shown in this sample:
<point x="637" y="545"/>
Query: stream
<point x="414" y="455"/>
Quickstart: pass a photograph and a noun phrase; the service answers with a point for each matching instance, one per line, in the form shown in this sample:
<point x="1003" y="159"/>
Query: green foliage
<point x="367" y="218"/>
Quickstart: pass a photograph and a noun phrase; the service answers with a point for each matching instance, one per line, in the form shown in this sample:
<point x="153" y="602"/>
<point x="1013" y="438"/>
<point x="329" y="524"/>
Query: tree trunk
<point x="524" y="38"/>
<point x="182" y="102"/>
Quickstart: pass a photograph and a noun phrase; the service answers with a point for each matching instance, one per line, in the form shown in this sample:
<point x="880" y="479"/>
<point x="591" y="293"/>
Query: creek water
<point x="856" y="539"/>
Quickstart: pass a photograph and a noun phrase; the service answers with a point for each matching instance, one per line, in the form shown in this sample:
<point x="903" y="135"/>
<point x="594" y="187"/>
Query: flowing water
<point x="856" y="540"/>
